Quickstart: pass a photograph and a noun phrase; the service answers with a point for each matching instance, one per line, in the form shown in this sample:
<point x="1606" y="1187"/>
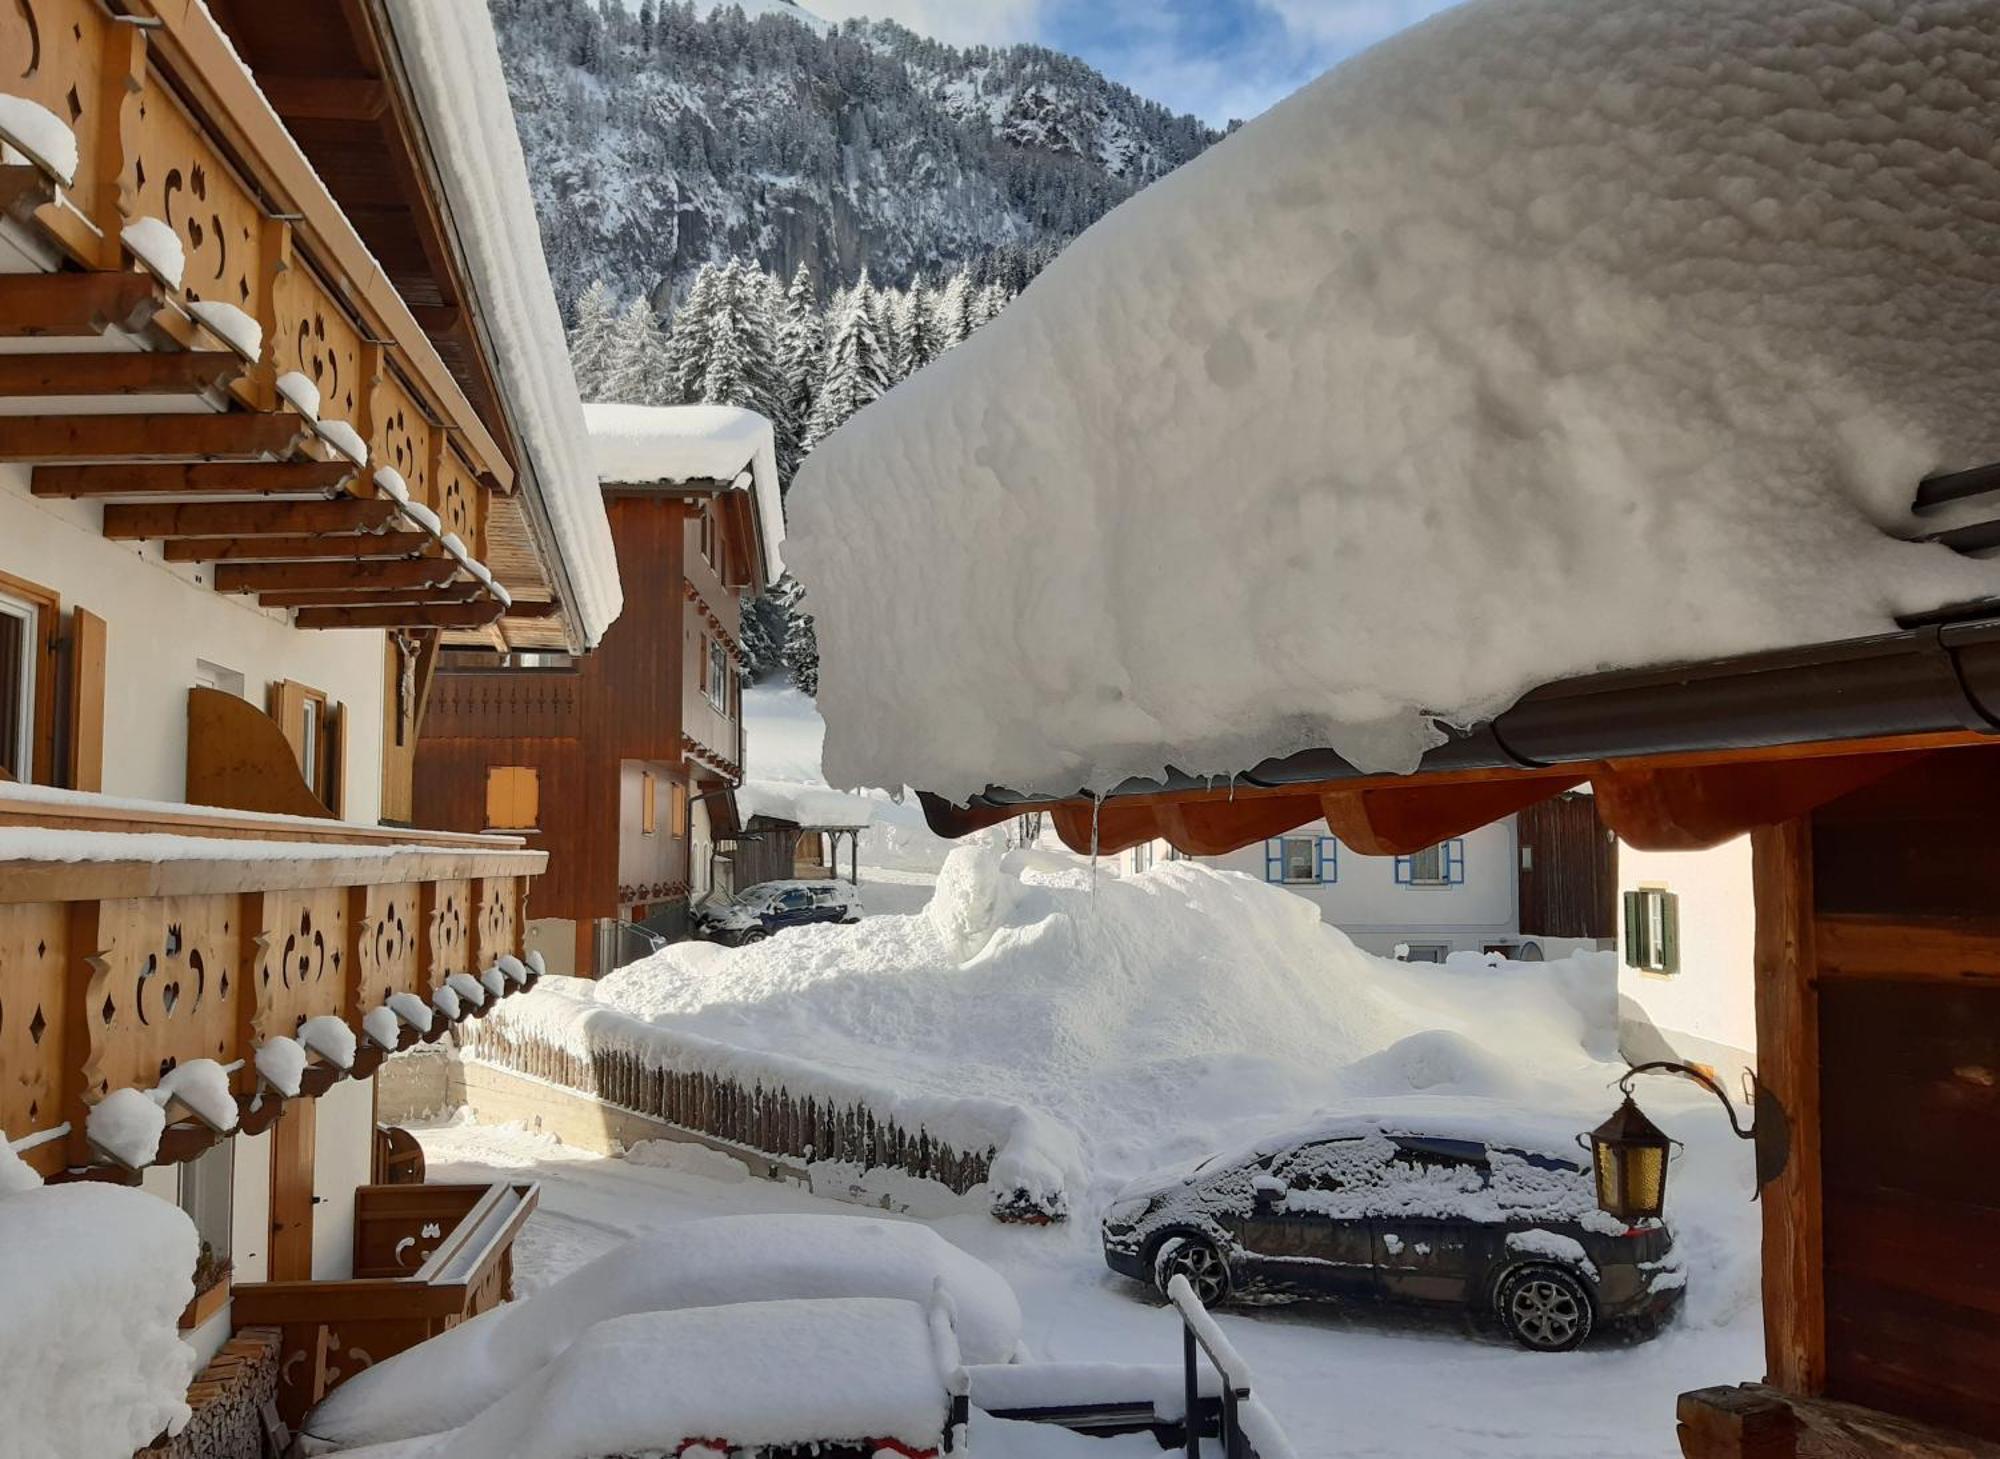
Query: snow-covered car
<point x="754" y="913"/>
<point x="1379" y="1210"/>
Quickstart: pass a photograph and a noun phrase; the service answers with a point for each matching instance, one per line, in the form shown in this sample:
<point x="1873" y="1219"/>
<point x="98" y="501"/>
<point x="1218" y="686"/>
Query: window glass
<point x="1427" y="865"/>
<point x="17" y="687"/>
<point x="1426" y="952"/>
<point x="205" y="1194"/>
<point x="1299" y="861"/>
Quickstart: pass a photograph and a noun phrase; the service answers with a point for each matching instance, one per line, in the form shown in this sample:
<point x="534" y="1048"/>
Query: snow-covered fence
<point x="783" y="1107"/>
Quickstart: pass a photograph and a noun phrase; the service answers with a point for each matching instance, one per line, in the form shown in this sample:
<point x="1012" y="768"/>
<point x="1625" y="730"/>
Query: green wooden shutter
<point x="1670" y="932"/>
<point x="1635" y="931"/>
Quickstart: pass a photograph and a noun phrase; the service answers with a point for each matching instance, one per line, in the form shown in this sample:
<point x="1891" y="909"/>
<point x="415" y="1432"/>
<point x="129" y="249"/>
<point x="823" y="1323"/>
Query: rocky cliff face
<point x="664" y="138"/>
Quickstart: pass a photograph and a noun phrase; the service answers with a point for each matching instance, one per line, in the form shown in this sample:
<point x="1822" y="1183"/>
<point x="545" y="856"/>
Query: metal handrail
<point x="1199" y="1331"/>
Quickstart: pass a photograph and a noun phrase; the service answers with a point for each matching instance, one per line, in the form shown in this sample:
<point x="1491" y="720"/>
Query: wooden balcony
<point x="271" y="404"/>
<point x="135" y="938"/>
<point x="426" y="1257"/>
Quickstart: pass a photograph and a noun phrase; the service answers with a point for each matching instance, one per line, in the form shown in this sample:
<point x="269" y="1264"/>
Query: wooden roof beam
<point x="172" y="479"/>
<point x="76" y="306"/>
<point x="443" y="615"/>
<point x="370" y="597"/>
<point x="265" y="577"/>
<point x="231" y="436"/>
<point x="157" y="521"/>
<point x="162" y="372"/>
<point x="298" y="549"/>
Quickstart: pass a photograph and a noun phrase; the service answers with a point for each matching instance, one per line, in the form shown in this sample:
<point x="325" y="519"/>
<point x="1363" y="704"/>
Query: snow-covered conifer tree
<point x="592" y="343"/>
<point x="801" y="349"/>
<point x="800" y="653"/>
<point x="952" y="309"/>
<point x="692" y="334"/>
<point x="987" y="304"/>
<point x="637" y="371"/>
<point x="856" y="370"/>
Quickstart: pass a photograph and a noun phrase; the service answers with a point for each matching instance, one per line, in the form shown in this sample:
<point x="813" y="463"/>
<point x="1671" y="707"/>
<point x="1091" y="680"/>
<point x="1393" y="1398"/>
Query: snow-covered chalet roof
<point x="642" y="444"/>
<point x="811" y="806"/>
<point x="1548" y="337"/>
<point x="453" y="63"/>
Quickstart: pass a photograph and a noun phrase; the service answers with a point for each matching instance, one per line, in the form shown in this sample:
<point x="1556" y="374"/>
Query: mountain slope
<point x="660" y="141"/>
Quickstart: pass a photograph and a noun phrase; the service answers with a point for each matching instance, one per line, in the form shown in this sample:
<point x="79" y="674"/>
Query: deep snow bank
<point x="1155" y="1016"/>
<point x="1548" y="336"/>
<point x="93" y="1279"/>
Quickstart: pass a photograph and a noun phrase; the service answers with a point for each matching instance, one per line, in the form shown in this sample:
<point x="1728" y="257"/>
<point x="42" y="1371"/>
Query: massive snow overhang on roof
<point x="654" y="445"/>
<point x="1550" y="337"/>
<point x="810" y="807"/>
<point x="453" y="63"/>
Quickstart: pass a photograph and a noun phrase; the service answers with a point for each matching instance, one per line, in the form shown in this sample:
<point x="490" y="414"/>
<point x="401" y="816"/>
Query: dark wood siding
<point x="625" y="704"/>
<point x="1569" y="871"/>
<point x="1909" y="1016"/>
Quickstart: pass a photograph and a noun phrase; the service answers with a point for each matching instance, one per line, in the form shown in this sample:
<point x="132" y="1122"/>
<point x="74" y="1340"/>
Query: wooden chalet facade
<point x="256" y="467"/>
<point x="1868" y="777"/>
<point x="616" y="763"/>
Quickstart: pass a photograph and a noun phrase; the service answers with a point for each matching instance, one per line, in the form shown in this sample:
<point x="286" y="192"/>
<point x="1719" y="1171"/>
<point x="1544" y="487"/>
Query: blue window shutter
<point x="1329" y="860"/>
<point x="1454" y="861"/>
<point x="1402" y="871"/>
<point x="1274" y="860"/>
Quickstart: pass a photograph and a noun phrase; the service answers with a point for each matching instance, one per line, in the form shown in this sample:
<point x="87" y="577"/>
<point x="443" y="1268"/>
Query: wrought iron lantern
<point x="1629" y="1152"/>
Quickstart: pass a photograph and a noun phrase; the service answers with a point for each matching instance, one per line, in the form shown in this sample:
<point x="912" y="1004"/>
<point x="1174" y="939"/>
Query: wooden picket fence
<point x="767" y="1118"/>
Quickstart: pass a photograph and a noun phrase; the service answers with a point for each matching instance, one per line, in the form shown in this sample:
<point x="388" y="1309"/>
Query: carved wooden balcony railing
<point x="230" y="460"/>
<point x="134" y="940"/>
<point x="426" y="1257"/>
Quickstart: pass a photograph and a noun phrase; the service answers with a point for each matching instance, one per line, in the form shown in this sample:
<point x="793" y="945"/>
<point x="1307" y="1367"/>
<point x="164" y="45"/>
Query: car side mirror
<point x="1270" y="1192"/>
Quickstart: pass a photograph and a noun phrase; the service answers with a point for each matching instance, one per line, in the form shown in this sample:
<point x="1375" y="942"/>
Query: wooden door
<point x="292" y="1140"/>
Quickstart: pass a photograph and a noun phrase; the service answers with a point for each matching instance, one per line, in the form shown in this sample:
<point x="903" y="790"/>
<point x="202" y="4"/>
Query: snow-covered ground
<point x="1354" y="1384"/>
<point x="1155" y="1018"/>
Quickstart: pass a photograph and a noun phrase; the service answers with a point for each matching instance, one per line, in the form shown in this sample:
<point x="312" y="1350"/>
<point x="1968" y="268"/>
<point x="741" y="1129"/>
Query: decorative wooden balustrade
<point x="174" y="139"/>
<point x="133" y="941"/>
<point x="426" y="1257"/>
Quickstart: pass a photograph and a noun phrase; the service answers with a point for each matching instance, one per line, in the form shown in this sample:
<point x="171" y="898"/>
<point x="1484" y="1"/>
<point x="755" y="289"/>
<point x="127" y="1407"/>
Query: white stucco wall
<point x="1706" y="1012"/>
<point x="161" y="620"/>
<point x="1368" y="905"/>
<point x="343" y="1155"/>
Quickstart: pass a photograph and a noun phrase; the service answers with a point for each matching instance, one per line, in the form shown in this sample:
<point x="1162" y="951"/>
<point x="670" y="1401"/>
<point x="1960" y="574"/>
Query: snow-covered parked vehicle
<point x="1378" y="1209"/>
<point x="754" y="913"/>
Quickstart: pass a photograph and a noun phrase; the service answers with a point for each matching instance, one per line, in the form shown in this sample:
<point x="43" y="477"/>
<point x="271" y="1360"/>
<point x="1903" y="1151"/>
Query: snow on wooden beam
<point x="371" y="597"/>
<point x="192" y="479"/>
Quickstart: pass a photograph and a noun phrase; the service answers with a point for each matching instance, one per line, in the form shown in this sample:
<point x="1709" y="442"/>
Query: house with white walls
<point x="261" y="460"/>
<point x="1533" y="885"/>
<point x="1686" y="944"/>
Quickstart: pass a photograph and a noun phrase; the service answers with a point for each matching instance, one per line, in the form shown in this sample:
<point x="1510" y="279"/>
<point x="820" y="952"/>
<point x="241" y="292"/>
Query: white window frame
<point x="1142" y="857"/>
<point x="21" y="755"/>
<point x="1310" y="846"/>
<point x="715" y="677"/>
<point x="1411" y="949"/>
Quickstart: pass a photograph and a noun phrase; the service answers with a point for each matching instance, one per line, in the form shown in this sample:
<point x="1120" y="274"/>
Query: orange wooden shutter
<point x="86" y="700"/>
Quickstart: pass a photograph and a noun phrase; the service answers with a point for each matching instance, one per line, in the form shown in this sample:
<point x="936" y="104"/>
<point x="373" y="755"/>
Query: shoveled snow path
<point x="1360" y="1386"/>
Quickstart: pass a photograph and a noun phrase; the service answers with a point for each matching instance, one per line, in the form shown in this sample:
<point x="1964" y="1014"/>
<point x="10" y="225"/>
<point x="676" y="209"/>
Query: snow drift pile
<point x="1634" y="324"/>
<point x="730" y="1260"/>
<point x="93" y="1279"/>
<point x="1156" y="1017"/>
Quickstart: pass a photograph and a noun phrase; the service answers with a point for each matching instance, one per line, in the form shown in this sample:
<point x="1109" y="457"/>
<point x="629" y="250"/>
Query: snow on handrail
<point x="1221" y="1352"/>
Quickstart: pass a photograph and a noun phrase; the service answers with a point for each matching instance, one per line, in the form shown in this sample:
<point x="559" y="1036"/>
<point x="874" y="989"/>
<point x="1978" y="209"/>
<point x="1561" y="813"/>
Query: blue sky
<point x="1216" y="58"/>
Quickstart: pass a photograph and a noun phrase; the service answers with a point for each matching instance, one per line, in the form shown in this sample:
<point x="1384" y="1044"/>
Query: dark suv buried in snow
<point x="1371" y="1210"/>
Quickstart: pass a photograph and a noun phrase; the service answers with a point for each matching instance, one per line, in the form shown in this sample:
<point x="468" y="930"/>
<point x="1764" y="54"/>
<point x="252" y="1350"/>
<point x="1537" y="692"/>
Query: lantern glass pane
<point x="1609" y="1183"/>
<point x="1645" y="1178"/>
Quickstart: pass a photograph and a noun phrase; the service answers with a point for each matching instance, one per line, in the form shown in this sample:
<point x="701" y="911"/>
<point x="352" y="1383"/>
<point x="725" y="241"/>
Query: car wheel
<point x="1197" y="1259"/>
<point x="1545" y="1309"/>
<point x="755" y="934"/>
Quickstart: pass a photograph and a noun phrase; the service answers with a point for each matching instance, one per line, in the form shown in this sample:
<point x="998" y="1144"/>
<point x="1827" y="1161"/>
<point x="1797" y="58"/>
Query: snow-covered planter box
<point x="841" y="1128"/>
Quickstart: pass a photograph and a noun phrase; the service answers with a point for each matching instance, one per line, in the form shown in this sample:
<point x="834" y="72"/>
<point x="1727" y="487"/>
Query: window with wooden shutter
<point x="680" y="809"/>
<point x="311" y="726"/>
<point x="1442" y="865"/>
<point x="513" y="798"/>
<point x="649" y="815"/>
<point x="1653" y="930"/>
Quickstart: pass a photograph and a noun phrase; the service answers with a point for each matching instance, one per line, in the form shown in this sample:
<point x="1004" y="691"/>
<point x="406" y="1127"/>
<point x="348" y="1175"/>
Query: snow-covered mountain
<point x="662" y="137"/>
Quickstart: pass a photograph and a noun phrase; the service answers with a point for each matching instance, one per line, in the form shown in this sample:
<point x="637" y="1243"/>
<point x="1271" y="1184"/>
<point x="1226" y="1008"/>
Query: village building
<point x="619" y="763"/>
<point x="282" y="420"/>
<point x="1530" y="886"/>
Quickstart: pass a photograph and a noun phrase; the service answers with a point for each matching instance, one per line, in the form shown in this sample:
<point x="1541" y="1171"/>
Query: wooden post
<point x="292" y="1192"/>
<point x="1788" y="1062"/>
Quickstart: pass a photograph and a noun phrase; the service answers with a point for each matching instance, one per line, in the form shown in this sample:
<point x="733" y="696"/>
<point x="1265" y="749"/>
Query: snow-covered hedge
<point x="1025" y="1162"/>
